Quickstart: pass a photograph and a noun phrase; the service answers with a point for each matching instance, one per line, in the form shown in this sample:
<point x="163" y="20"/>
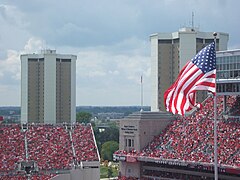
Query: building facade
<point x="228" y="72"/>
<point x="170" y="52"/>
<point x="48" y="88"/>
<point x="135" y="132"/>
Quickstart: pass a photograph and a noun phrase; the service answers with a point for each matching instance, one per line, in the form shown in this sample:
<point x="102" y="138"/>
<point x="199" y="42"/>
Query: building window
<point x="129" y="142"/>
<point x="176" y="40"/>
<point x="199" y="40"/>
<point x="165" y="41"/>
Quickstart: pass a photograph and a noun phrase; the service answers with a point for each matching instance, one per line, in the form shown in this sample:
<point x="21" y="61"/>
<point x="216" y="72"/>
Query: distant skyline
<point x="110" y="39"/>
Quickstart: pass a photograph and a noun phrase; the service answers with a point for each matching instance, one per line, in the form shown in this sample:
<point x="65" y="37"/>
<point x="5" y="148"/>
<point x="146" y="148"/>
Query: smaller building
<point x="136" y="131"/>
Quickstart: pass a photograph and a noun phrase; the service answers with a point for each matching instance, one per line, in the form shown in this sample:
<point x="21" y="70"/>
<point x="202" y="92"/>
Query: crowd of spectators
<point x="192" y="138"/>
<point x="50" y="147"/>
<point x="235" y="110"/>
<point x="14" y="176"/>
<point x="12" y="148"/>
<point x="84" y="145"/>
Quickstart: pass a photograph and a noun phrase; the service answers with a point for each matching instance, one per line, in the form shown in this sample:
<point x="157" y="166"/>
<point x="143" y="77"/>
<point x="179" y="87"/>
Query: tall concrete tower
<point x="170" y="52"/>
<point x="48" y="88"/>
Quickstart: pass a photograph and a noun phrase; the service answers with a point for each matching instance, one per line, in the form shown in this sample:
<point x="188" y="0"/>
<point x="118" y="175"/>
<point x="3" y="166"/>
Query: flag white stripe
<point x="177" y="92"/>
<point x="198" y="74"/>
<point x="174" y="92"/>
<point x="200" y="87"/>
<point x="188" y="77"/>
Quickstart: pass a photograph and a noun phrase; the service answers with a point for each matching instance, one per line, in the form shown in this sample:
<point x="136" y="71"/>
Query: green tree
<point x="83" y="117"/>
<point x="111" y="133"/>
<point x="107" y="150"/>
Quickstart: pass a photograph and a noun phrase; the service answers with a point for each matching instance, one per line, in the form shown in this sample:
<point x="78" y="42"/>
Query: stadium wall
<point x="88" y="171"/>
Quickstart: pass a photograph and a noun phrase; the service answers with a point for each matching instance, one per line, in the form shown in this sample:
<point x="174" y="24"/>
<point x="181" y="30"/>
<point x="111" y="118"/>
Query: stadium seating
<point x="84" y="145"/>
<point x="12" y="148"/>
<point x="192" y="138"/>
<point x="49" y="146"/>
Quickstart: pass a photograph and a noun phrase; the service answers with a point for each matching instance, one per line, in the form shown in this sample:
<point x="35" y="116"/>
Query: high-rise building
<point x="170" y="52"/>
<point x="48" y="88"/>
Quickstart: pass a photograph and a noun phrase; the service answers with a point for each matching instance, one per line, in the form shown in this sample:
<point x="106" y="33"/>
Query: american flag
<point x="197" y="74"/>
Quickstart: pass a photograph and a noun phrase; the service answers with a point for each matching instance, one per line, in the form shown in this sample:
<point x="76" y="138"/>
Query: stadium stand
<point x="84" y="144"/>
<point x="40" y="151"/>
<point x="12" y="147"/>
<point x="190" y="139"/>
<point x="49" y="146"/>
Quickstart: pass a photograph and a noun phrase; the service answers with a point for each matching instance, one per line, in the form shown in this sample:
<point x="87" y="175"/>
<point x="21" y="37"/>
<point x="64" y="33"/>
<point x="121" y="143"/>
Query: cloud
<point x="10" y="68"/>
<point x="111" y="39"/>
<point x="99" y="70"/>
<point x="80" y="24"/>
<point x="70" y="28"/>
<point x="34" y="45"/>
<point x="13" y="31"/>
<point x="113" y="78"/>
<point x="12" y="15"/>
<point x="10" y="72"/>
<point x="104" y="62"/>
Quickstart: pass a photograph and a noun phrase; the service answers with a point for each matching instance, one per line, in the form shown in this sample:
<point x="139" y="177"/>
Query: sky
<point x="109" y="37"/>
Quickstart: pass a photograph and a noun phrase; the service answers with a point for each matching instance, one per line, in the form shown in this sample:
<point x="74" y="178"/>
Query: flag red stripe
<point x="185" y="89"/>
<point x="174" y="86"/>
<point x="207" y="84"/>
<point x="198" y="74"/>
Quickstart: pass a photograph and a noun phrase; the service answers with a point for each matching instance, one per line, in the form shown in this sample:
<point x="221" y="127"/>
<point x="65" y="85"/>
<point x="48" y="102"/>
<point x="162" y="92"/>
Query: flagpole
<point x="141" y="93"/>
<point x="215" y="122"/>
